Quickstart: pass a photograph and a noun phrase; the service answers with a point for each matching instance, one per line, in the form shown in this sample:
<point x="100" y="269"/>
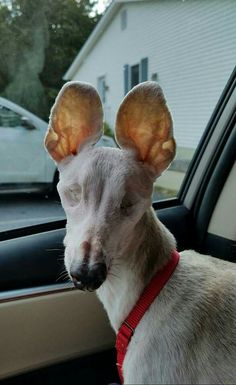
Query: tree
<point x="39" y="40"/>
<point x="69" y="28"/>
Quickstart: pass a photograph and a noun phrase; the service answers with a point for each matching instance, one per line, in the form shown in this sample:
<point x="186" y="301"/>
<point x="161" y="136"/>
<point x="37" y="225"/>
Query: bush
<point x="108" y="131"/>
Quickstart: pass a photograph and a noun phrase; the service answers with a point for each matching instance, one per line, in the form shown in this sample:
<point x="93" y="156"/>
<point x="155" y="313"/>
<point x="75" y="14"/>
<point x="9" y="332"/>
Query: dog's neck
<point x="148" y="251"/>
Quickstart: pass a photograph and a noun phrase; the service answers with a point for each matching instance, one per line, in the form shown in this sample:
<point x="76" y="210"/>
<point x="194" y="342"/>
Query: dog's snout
<point x="87" y="277"/>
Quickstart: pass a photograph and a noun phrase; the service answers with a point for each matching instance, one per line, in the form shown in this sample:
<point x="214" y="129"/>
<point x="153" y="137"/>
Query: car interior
<point x="50" y="332"/>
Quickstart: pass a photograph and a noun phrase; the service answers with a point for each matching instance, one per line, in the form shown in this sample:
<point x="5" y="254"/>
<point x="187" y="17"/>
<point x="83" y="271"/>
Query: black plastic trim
<point x="165" y="203"/>
<point x="99" y="368"/>
<point x="34" y="260"/>
<point x="179" y="221"/>
<point x="219" y="247"/>
<point x="30" y="230"/>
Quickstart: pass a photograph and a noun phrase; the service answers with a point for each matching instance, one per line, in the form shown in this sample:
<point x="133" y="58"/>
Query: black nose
<point x="89" y="277"/>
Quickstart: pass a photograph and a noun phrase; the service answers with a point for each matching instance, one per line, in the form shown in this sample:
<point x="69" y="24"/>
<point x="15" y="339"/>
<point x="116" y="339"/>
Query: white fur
<point x="188" y="336"/>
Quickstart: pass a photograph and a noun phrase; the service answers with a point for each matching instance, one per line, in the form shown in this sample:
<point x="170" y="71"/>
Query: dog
<point x="114" y="242"/>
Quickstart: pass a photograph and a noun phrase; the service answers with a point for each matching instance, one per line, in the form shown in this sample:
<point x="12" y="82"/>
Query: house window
<point x="135" y="74"/>
<point x="123" y="19"/>
<point x="102" y="88"/>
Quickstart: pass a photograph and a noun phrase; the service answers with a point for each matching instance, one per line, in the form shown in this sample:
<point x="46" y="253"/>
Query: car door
<point x="22" y="156"/>
<point x="53" y="333"/>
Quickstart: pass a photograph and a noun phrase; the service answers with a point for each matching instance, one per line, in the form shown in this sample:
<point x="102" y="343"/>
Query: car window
<point x="9" y="118"/>
<point x="188" y="47"/>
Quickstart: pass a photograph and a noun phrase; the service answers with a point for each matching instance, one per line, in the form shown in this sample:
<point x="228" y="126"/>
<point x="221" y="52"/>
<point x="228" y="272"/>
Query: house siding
<point x="192" y="55"/>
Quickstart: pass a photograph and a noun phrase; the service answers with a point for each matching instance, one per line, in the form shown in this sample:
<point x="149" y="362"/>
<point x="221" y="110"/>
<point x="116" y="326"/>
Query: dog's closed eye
<point x="126" y="206"/>
<point x="73" y="195"/>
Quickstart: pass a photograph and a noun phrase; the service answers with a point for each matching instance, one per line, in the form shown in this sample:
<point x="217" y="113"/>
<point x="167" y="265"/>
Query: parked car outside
<point x="25" y="165"/>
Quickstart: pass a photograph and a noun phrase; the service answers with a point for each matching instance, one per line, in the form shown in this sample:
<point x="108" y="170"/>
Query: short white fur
<point x="188" y="335"/>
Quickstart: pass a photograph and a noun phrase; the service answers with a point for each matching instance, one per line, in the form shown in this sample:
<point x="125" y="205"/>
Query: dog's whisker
<point x="63" y="275"/>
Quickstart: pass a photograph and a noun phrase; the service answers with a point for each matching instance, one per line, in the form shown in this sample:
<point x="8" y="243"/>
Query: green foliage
<point x="107" y="130"/>
<point x="39" y="40"/>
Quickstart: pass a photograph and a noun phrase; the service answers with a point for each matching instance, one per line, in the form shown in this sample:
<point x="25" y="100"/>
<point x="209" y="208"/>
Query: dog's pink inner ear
<point x="76" y="118"/>
<point x="144" y="123"/>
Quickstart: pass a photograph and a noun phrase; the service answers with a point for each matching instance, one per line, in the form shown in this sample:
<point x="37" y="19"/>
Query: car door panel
<point x="39" y="331"/>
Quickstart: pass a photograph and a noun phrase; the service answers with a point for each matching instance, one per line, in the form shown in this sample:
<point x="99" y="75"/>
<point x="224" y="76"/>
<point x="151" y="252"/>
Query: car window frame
<point x="170" y="211"/>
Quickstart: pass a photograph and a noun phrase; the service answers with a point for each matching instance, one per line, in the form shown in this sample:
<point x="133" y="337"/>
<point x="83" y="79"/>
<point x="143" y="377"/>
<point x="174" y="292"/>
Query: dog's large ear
<point x="76" y="118"/>
<point x="144" y="124"/>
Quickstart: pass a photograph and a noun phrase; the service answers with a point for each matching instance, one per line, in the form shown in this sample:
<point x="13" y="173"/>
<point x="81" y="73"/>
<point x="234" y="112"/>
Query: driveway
<point x="20" y="210"/>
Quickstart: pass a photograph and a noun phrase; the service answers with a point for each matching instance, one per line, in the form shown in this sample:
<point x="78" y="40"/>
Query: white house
<point x="188" y="46"/>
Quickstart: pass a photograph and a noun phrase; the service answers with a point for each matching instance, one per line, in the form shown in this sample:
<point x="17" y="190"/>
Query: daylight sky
<point x="102" y="5"/>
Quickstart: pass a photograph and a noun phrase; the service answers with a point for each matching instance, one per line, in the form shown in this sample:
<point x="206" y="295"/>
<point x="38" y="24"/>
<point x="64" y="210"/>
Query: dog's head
<point x="105" y="191"/>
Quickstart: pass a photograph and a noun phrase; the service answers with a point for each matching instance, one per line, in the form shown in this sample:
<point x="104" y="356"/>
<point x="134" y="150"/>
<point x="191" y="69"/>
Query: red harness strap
<point x="151" y="291"/>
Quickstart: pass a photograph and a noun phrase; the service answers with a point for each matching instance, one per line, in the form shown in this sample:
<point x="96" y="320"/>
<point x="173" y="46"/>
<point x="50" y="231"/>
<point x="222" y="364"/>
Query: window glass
<point x="9" y="118"/>
<point x="188" y="47"/>
<point x="134" y="75"/>
<point x="144" y="70"/>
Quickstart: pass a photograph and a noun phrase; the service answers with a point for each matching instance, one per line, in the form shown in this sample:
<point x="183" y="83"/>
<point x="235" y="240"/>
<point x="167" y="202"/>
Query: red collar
<point x="151" y="291"/>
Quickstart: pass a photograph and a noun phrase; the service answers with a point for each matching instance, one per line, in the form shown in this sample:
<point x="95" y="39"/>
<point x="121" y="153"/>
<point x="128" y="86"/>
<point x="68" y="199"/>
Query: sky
<point x="102" y="5"/>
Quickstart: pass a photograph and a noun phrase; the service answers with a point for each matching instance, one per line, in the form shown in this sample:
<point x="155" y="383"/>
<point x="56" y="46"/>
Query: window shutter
<point x="144" y="70"/>
<point x="123" y="19"/>
<point x="126" y="79"/>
